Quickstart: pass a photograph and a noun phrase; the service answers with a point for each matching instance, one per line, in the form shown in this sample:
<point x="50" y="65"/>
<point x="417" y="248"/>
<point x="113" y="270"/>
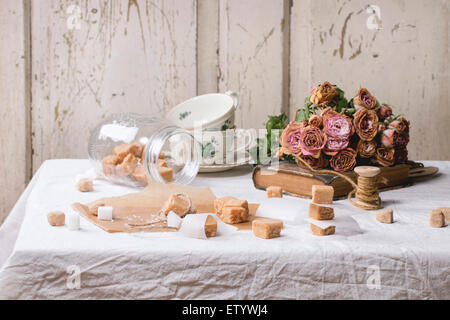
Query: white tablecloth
<point x="404" y="260"/>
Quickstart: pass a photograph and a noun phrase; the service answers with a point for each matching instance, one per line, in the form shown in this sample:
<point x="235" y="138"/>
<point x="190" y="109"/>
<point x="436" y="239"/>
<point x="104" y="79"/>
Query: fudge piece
<point x="124" y="149"/>
<point x="233" y="215"/>
<point x="320" y="212"/>
<point x="267" y="229"/>
<point x="162" y="155"/>
<point x="385" y="216"/>
<point x="166" y="173"/>
<point x="228" y="201"/>
<point x="56" y="218"/>
<point x="446" y="212"/>
<point x="319" y="231"/>
<point x="322" y="194"/>
<point x="85" y="185"/>
<point x="437" y="219"/>
<point x="210" y="227"/>
<point x="274" y="192"/>
<point x="127" y="166"/>
<point x="109" y="164"/>
<point x="178" y="203"/>
<point x="140" y="175"/>
<point x="162" y="163"/>
<point x="93" y="207"/>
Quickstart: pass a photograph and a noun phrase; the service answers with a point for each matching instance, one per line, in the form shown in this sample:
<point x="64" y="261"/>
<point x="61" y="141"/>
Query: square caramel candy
<point x="267" y="229"/>
<point x="220" y="203"/>
<point x="124" y="149"/>
<point x="162" y="155"/>
<point x="233" y="215"/>
<point x="85" y="185"/>
<point x="437" y="219"/>
<point x="140" y="175"/>
<point x="109" y="164"/>
<point x="385" y="216"/>
<point x="322" y="194"/>
<point x="162" y="163"/>
<point x="210" y="227"/>
<point x="56" y="218"/>
<point x="127" y="166"/>
<point x="274" y="192"/>
<point x="320" y="212"/>
<point x="446" y="212"/>
<point x="177" y="204"/>
<point x="166" y="173"/>
<point x="319" y="231"/>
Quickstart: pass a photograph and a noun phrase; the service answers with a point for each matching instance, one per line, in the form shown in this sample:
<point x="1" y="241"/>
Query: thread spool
<point x="366" y="193"/>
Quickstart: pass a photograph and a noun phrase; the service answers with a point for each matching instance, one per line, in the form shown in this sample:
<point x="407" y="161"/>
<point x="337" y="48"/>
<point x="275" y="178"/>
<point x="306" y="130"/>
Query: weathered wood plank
<point x="91" y="59"/>
<point x="14" y="109"/>
<point x="251" y="57"/>
<point x="400" y="55"/>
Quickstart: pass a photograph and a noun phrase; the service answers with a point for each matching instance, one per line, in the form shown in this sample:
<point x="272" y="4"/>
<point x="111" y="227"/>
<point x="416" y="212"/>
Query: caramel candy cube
<point x="166" y="173"/>
<point x="228" y="201"/>
<point x="437" y="219"/>
<point x="162" y="155"/>
<point x="210" y="227"/>
<point x="233" y="215"/>
<point x="162" y="163"/>
<point x="140" y="175"/>
<point x="137" y="149"/>
<point x="109" y="164"/>
<point x="274" y="192"/>
<point x="177" y="204"/>
<point x="93" y="207"/>
<point x="446" y="212"/>
<point x="319" y="231"/>
<point x="267" y="229"/>
<point x="127" y="166"/>
<point x="56" y="218"/>
<point x="385" y="216"/>
<point x="320" y="212"/>
<point x="322" y="194"/>
<point x="85" y="185"/>
<point x="125" y="149"/>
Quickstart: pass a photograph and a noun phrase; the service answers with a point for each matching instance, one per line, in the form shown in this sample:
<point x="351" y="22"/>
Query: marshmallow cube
<point x="105" y="213"/>
<point x="73" y="221"/>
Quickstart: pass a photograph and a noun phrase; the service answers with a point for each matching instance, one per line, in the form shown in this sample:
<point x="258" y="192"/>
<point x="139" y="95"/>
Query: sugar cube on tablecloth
<point x="166" y="173"/>
<point x="233" y="215"/>
<point x="73" y="221"/>
<point x="173" y="220"/>
<point x="105" y="213"/>
<point x="385" y="216"/>
<point x="109" y="164"/>
<point x="437" y="219"/>
<point x="267" y="229"/>
<point x="320" y="212"/>
<point x="446" y="212"/>
<point x="56" y="218"/>
<point x="210" y="226"/>
<point x="322" y="194"/>
<point x="321" y="230"/>
<point x="85" y="185"/>
<point x="274" y="192"/>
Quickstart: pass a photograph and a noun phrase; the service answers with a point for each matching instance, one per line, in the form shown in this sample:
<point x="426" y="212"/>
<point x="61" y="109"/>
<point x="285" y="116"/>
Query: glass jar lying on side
<point x="132" y="149"/>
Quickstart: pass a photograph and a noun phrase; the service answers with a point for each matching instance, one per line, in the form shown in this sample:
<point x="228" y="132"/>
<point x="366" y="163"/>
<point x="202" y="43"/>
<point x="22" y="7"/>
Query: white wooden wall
<point x="60" y="75"/>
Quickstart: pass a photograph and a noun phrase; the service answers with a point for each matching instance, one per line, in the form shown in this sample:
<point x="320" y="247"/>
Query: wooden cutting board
<point x="142" y="207"/>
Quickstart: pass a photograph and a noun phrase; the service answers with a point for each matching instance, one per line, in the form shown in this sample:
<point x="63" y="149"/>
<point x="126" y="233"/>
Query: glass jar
<point x="132" y="149"/>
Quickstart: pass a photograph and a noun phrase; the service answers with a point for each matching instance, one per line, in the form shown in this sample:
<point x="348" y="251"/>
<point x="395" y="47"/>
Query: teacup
<point x="211" y="119"/>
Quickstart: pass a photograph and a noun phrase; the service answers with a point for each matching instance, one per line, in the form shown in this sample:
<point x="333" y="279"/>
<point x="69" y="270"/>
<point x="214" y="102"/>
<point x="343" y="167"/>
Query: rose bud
<point x="290" y="138"/>
<point x="324" y="94"/>
<point x="312" y="140"/>
<point x="381" y="127"/>
<point x="366" y="149"/>
<point x="315" y="120"/>
<point x="364" y="99"/>
<point x="384" y="111"/>
<point x="401" y="124"/>
<point x="389" y="137"/>
<point x="344" y="160"/>
<point x="401" y="155"/>
<point x="385" y="156"/>
<point x="315" y="163"/>
<point x="334" y="145"/>
<point x="336" y="124"/>
<point x="366" y="124"/>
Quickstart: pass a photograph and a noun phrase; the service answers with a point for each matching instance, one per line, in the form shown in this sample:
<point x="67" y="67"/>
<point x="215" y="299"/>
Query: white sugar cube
<point x="173" y="220"/>
<point x="73" y="221"/>
<point x="105" y="213"/>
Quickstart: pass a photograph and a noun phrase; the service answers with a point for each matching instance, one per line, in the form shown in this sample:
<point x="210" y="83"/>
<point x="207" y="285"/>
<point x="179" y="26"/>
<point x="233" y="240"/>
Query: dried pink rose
<point x="337" y="125"/>
<point x="315" y="120"/>
<point x="344" y="160"/>
<point x="401" y="125"/>
<point x="315" y="163"/>
<point x="401" y="155"/>
<point x="334" y="145"/>
<point x="384" y="111"/>
<point x="312" y="141"/>
<point x="290" y="138"/>
<point x="388" y="137"/>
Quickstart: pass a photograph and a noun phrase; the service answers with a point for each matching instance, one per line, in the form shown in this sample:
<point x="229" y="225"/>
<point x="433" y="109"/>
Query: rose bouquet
<point x="330" y="131"/>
